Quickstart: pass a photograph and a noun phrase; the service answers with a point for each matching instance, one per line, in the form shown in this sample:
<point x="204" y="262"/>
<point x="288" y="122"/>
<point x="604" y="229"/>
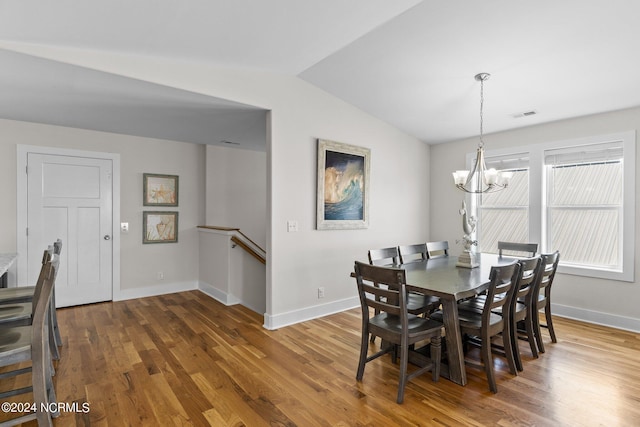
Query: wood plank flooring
<point x="184" y="359"/>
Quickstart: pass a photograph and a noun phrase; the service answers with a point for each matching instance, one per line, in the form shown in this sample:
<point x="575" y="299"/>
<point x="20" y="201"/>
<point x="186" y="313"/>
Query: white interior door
<point x="70" y="198"/>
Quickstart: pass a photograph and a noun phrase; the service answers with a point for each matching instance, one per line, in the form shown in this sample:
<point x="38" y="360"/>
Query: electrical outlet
<point x="292" y="226"/>
<point x="124" y="227"/>
<point x="321" y="292"/>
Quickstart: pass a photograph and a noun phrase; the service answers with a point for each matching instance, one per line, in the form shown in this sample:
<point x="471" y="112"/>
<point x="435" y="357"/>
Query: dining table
<point x="6" y="261"/>
<point x="442" y="278"/>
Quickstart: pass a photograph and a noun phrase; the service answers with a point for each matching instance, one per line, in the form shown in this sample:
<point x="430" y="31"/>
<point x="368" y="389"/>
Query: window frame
<point x="538" y="230"/>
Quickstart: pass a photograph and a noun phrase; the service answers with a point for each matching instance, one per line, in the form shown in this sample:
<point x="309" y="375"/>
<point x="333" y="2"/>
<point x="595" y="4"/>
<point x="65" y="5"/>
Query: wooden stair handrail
<point x="238" y="241"/>
<point x="250" y="250"/>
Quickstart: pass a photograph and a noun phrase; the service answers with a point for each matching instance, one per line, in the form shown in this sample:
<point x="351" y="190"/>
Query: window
<point x="585" y="204"/>
<point x="504" y="215"/>
<point x="576" y="196"/>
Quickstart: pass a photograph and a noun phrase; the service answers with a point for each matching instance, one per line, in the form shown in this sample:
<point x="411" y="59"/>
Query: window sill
<point x="600" y="273"/>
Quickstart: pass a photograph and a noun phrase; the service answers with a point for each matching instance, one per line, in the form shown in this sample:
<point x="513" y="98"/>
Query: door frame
<point x="22" y="207"/>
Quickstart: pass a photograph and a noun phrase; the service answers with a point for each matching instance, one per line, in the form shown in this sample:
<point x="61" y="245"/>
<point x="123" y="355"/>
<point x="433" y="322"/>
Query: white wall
<point x="236" y="191"/>
<point x="236" y="197"/>
<point x="600" y="301"/>
<point x="230" y="274"/>
<point x="139" y="263"/>
<point x="299" y="263"/>
<point x="215" y="271"/>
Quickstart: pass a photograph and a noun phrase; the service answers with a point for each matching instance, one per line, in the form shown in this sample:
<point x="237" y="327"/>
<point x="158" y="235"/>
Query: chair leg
<point x="507" y="342"/>
<point x="55" y="352"/>
<point x="528" y="324"/>
<point x="364" y="349"/>
<point x="394" y="354"/>
<point x="547" y="315"/>
<point x="404" y="362"/>
<point x="516" y="347"/>
<point x="50" y="390"/>
<point x="485" y="351"/>
<point x="436" y="356"/>
<point x="537" y="330"/>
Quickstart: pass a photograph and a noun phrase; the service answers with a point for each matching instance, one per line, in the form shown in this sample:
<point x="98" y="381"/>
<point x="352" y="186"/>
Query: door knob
<point x="107" y="237"/>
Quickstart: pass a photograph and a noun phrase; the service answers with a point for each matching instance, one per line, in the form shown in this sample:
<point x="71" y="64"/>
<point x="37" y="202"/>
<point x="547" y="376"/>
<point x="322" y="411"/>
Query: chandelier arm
<point x="475" y="172"/>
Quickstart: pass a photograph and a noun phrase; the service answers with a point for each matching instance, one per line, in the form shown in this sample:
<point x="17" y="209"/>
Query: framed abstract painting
<point x="343" y="186"/>
<point x="159" y="227"/>
<point x="160" y="190"/>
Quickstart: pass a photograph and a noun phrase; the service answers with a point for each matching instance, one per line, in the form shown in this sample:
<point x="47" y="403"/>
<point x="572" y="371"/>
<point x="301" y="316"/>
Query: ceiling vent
<point x="525" y="114"/>
<point x="224" y="141"/>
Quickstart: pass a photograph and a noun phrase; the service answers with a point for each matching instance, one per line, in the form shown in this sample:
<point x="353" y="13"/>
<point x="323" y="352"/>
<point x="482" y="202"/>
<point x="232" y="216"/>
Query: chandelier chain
<point x="481" y="110"/>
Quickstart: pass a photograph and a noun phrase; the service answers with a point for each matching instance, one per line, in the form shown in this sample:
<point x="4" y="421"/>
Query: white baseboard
<point x="285" y="319"/>
<point x="217" y="294"/>
<point x="150" y="291"/>
<point x="598" y="318"/>
<point x="308" y="313"/>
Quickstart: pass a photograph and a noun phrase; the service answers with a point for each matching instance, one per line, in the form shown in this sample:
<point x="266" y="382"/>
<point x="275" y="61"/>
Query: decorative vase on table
<point x="468" y="258"/>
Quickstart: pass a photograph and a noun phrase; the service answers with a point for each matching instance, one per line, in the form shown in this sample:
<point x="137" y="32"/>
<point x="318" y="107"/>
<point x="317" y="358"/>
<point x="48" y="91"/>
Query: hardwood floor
<point x="185" y="359"/>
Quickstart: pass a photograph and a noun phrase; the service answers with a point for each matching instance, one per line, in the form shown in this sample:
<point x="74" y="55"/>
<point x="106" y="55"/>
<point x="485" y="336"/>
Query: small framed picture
<point x="343" y="186"/>
<point x="159" y="227"/>
<point x="160" y="190"/>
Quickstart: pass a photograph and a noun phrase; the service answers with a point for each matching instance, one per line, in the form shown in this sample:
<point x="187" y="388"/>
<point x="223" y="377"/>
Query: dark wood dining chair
<point x="393" y="323"/>
<point x="437" y="249"/>
<point x="542" y="297"/>
<point x="522" y="314"/>
<point x="30" y="343"/>
<point x="413" y="253"/>
<point x="521" y="318"/>
<point x="15" y="304"/>
<point x="479" y="327"/>
<point x="515" y="249"/>
<point x="418" y="304"/>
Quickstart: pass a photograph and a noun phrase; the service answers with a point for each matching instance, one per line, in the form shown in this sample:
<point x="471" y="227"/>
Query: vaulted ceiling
<point x="410" y="63"/>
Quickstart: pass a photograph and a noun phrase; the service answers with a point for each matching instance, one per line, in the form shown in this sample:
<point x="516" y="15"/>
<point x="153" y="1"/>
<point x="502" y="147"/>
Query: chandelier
<point x="481" y="179"/>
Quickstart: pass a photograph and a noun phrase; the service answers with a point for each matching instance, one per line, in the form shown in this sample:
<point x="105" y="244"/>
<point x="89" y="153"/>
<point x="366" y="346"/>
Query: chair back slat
<point x="528" y="248"/>
<point x="384" y="256"/>
<point x="390" y="299"/>
<point x="386" y="300"/>
<point x="412" y="253"/>
<point x="503" y="284"/>
<point x="437" y="249"/>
